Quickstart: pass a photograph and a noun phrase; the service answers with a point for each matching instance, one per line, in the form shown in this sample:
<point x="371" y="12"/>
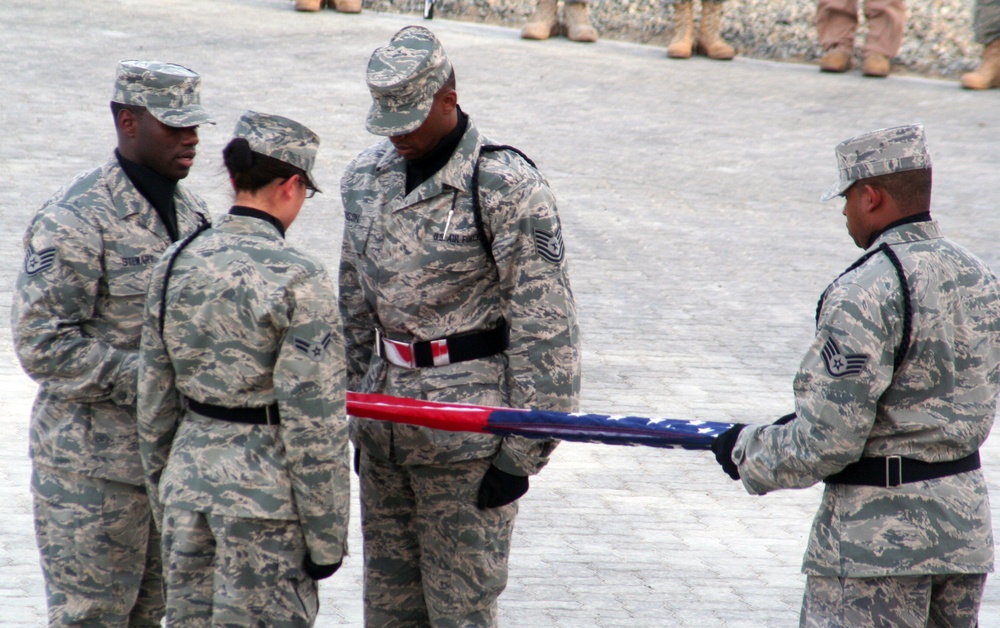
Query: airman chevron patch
<point x="315" y="350"/>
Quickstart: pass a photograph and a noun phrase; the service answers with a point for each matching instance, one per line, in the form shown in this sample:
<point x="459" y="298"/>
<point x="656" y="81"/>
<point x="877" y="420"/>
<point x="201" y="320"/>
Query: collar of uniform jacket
<point x="457" y="173"/>
<point x="130" y="202"/>
<point x="908" y="232"/>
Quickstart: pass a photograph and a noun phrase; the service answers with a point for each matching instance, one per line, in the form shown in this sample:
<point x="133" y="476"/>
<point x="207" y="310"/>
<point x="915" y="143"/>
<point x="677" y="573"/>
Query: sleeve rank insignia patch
<point x="314" y="350"/>
<point x="839" y="364"/>
<point x="39" y="262"/>
<point x="550" y="245"/>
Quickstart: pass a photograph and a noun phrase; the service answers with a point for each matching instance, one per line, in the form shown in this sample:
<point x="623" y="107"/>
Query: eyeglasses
<point x="310" y="190"/>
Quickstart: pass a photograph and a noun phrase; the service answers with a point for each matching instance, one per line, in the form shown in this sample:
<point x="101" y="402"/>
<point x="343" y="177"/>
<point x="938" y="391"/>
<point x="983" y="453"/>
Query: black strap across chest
<point x="477" y="209"/>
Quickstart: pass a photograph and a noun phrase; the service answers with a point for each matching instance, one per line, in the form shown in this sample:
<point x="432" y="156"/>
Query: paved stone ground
<point x="698" y="248"/>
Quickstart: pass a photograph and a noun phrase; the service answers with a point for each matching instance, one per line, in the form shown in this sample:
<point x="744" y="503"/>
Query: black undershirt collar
<point x="419" y="170"/>
<point x="921" y="217"/>
<point x="240" y="210"/>
<point x="156" y="188"/>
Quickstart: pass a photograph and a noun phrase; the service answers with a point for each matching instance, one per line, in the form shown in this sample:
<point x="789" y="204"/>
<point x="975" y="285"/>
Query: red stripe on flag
<point x="442" y="416"/>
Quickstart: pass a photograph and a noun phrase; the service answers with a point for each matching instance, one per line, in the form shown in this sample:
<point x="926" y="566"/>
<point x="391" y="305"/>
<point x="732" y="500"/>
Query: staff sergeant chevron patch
<point x="839" y="364"/>
<point x="39" y="262"/>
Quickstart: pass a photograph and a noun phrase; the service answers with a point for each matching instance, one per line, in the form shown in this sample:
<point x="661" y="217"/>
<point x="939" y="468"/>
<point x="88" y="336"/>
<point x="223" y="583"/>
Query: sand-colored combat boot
<point x="544" y="22"/>
<point x="308" y="5"/>
<point x="346" y="6"/>
<point x="710" y="43"/>
<point x="835" y="60"/>
<point x="682" y="43"/>
<point x="987" y="75"/>
<point x="576" y="17"/>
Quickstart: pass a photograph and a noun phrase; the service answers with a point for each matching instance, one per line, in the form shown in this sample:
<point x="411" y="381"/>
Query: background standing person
<point x="837" y="22"/>
<point x="453" y="287"/>
<point x="76" y="316"/>
<point x="893" y="400"/>
<point x="242" y="420"/>
<point x="987" y="25"/>
<point x="709" y="42"/>
<point x="343" y="6"/>
<point x="544" y="22"/>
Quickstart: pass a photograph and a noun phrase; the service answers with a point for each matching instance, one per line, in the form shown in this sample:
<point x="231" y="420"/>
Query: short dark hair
<point x="449" y="83"/>
<point x="910" y="189"/>
<point x="117" y="107"/>
<point x="252" y="171"/>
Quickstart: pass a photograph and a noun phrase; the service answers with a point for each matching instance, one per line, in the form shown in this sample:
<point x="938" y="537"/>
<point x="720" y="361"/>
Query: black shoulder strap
<point x="170" y="267"/>
<point x="477" y="210"/>
<point x="904" y="344"/>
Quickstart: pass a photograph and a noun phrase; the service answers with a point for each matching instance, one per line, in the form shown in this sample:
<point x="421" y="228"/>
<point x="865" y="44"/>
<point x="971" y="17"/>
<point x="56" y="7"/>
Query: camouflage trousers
<point x="432" y="558"/>
<point x="228" y="571"/>
<point x="945" y="601"/>
<point x="987" y="21"/>
<point x="100" y="551"/>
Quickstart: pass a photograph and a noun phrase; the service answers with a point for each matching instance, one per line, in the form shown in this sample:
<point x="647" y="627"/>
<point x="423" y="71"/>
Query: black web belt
<point x="892" y="471"/>
<point x="462" y="347"/>
<point x="264" y="415"/>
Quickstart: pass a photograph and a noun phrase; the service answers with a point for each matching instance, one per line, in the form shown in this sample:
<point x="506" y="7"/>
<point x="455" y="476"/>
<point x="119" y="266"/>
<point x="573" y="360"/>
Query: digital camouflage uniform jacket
<point x="77" y="316"/>
<point x="401" y="271"/>
<point x="937" y="406"/>
<point x="249" y="321"/>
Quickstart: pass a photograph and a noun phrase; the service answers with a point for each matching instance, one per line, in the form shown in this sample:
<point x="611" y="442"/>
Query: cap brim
<point x="382" y="121"/>
<point x="192" y="115"/>
<point x="838" y="189"/>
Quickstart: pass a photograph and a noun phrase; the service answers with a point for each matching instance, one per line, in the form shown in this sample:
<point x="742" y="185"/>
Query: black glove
<point x="357" y="461"/>
<point x="788" y="418"/>
<point x="500" y="488"/>
<point x="319" y="572"/>
<point x="722" y="447"/>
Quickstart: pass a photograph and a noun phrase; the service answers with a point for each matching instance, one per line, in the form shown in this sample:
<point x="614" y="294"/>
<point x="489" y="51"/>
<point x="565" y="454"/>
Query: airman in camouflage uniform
<point x="242" y="420"/>
<point x="987" y="25"/>
<point x="76" y="316"/>
<point x="436" y="308"/>
<point x="893" y="400"/>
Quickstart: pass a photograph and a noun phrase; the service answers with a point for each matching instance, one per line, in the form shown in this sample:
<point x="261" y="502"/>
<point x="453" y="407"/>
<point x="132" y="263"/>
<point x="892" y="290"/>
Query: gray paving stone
<point x="697" y="246"/>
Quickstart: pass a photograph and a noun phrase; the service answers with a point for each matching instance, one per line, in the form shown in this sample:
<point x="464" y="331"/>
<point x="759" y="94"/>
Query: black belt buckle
<point x="889" y="460"/>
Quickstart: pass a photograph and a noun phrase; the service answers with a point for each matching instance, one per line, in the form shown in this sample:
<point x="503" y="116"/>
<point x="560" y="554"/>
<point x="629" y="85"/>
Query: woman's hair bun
<point x="237" y="155"/>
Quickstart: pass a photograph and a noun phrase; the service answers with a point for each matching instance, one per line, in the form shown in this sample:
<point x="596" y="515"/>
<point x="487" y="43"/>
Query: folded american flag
<point x="572" y="426"/>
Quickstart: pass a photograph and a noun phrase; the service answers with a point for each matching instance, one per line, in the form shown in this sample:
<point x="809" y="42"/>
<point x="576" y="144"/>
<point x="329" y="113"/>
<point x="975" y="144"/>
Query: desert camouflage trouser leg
<point x="945" y="601"/>
<point x="228" y="571"/>
<point x="100" y="551"/>
<point x="431" y="557"/>
<point x="987" y="21"/>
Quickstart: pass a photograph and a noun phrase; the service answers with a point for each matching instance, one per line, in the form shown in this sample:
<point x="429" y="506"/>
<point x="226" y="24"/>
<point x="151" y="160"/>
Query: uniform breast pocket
<point x="362" y="238"/>
<point x="127" y="279"/>
<point x="458" y="252"/>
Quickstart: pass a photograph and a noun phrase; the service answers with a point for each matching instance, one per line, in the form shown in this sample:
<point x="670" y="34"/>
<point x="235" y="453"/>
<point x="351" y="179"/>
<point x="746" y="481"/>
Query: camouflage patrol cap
<point x="279" y="137"/>
<point x="885" y="151"/>
<point x="168" y="91"/>
<point x="403" y="78"/>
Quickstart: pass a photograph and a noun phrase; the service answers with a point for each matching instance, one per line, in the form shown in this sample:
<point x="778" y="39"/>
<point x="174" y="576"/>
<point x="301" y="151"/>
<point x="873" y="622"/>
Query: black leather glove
<point x="722" y="447"/>
<point x="788" y="418"/>
<point x="357" y="461"/>
<point x="500" y="488"/>
<point x="319" y="572"/>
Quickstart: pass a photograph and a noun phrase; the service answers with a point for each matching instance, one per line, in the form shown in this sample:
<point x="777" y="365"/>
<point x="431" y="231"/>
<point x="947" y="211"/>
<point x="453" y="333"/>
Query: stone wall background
<point x="939" y="39"/>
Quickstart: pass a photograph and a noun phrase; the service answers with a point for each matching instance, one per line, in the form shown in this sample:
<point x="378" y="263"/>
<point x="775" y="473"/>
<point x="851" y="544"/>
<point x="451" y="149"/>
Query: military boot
<point x="987" y="75"/>
<point x="543" y="23"/>
<point x="576" y="17"/>
<point x="682" y="43"/>
<point x="346" y="6"/>
<point x="710" y="43"/>
<point x="308" y="5"/>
